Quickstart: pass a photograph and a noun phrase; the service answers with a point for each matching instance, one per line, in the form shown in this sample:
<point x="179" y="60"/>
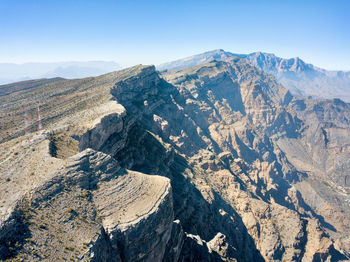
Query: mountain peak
<point x="196" y="59"/>
<point x="298" y="76"/>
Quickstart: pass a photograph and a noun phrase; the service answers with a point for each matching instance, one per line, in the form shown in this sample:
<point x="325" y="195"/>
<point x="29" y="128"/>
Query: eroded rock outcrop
<point x="92" y="210"/>
<point x="189" y="165"/>
<point x="228" y="143"/>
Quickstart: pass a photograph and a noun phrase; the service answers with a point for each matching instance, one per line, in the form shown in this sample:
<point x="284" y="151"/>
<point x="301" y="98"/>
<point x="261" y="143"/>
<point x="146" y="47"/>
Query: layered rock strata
<point x="197" y="164"/>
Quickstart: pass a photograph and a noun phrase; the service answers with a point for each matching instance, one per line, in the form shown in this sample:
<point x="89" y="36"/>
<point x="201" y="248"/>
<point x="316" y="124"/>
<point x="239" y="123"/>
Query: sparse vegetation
<point x="254" y="209"/>
<point x="69" y="248"/>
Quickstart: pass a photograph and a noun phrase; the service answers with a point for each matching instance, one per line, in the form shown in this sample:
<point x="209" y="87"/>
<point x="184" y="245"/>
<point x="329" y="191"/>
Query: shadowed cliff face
<point x="230" y="122"/>
<point x="240" y="169"/>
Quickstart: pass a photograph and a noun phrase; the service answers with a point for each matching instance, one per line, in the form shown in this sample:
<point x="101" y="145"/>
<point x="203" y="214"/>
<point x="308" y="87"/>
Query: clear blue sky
<point x="151" y="32"/>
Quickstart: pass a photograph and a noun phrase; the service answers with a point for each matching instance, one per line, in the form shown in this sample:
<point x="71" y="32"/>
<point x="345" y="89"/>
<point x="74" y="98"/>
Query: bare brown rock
<point x="220" y="148"/>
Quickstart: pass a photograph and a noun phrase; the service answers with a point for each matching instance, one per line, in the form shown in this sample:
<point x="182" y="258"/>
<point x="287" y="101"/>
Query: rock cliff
<point x="299" y="77"/>
<point x="94" y="210"/>
<point x="216" y="162"/>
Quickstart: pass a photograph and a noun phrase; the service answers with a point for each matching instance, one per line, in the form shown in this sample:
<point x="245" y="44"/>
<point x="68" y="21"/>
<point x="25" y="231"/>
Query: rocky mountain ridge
<point x="219" y="146"/>
<point x="299" y="77"/>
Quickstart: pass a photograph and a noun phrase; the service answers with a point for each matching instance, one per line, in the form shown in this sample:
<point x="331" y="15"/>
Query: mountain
<point x="195" y="60"/>
<point x="299" y="77"/>
<point x="215" y="162"/>
<point x="10" y="73"/>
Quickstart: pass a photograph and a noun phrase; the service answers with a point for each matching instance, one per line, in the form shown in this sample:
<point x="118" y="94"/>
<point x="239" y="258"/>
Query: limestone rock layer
<point x="215" y="162"/>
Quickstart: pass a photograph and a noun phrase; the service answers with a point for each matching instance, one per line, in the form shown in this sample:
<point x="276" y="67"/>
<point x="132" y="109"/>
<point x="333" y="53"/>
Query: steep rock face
<point x="148" y="153"/>
<point x="271" y="117"/>
<point x="62" y="101"/>
<point x="92" y="210"/>
<point x="96" y="136"/>
<point x="299" y="77"/>
<point x="175" y="243"/>
<point x="220" y="139"/>
<point x="322" y="151"/>
<point x="327" y="137"/>
<point x="206" y="111"/>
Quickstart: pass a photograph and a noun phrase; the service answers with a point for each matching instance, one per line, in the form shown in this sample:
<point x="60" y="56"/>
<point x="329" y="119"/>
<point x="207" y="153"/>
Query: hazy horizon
<point x="155" y="32"/>
<point x="130" y="65"/>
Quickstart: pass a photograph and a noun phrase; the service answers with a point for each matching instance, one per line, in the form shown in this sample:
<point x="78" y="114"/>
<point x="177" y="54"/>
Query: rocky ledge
<point x="92" y="210"/>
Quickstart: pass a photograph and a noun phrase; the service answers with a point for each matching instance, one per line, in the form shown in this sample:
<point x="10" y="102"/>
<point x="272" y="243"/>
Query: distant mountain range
<point x="299" y="77"/>
<point x="10" y="72"/>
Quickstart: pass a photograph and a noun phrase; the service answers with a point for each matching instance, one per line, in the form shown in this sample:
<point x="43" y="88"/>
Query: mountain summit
<point x="299" y="77"/>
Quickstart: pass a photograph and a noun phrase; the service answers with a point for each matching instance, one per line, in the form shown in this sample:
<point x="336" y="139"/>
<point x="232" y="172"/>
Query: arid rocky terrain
<point x="215" y="162"/>
<point x="299" y="77"/>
